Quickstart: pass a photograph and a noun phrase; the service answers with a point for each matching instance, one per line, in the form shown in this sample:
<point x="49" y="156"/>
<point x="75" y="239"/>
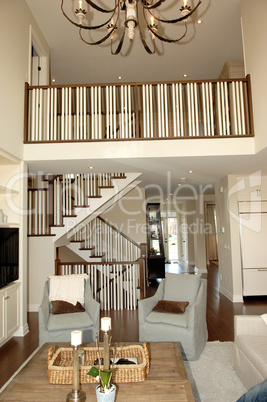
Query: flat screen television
<point x="9" y="255"/>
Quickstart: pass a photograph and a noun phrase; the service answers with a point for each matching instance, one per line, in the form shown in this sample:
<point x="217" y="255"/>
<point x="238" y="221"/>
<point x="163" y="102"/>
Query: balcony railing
<point x="139" y="111"/>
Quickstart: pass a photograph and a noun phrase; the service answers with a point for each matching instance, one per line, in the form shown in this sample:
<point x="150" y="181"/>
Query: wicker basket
<point x="60" y="364"/>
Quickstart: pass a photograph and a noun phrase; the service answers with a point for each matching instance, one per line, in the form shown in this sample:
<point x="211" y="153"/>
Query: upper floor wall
<point x="15" y="45"/>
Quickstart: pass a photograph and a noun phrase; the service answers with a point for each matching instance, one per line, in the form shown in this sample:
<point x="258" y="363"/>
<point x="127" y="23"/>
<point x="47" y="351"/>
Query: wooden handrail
<point x="139" y="83"/>
<point x="119" y="232"/>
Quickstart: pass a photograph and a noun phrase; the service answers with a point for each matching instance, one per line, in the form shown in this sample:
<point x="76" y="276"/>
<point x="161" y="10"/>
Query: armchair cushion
<point x="62" y="322"/>
<point x="185" y="287"/>
<point x="173" y="307"/>
<point x="63" y="307"/>
<point x="179" y="320"/>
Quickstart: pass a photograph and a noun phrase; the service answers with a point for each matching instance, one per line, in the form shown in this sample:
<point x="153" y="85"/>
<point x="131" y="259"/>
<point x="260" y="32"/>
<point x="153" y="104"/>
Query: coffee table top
<point x="166" y="381"/>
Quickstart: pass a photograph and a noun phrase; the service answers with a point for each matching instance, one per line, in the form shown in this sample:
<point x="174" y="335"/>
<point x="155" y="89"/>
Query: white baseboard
<point x="233" y="298"/>
<point x="238" y="299"/>
<point x="33" y="308"/>
<point x="22" y="331"/>
<point x="200" y="271"/>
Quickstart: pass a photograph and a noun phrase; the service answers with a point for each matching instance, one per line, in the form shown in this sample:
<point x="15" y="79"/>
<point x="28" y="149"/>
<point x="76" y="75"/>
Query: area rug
<point x="213" y="377"/>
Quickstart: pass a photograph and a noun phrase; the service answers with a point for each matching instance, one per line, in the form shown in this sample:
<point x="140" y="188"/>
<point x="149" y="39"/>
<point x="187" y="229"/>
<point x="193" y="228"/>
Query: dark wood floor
<point x="220" y="319"/>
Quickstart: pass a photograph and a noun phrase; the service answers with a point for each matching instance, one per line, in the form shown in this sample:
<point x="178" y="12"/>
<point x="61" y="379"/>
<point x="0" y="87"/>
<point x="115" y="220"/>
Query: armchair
<point x="190" y="327"/>
<point x="58" y="327"/>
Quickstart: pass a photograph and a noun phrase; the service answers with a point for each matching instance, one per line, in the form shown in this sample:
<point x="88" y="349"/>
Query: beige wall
<point x="15" y="21"/>
<point x="224" y="237"/>
<point x="254" y="28"/>
<point x="129" y="215"/>
<point x="41" y="265"/>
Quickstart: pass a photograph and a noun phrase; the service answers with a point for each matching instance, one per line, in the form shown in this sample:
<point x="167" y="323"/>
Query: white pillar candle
<point x="105" y="324"/>
<point x="76" y="338"/>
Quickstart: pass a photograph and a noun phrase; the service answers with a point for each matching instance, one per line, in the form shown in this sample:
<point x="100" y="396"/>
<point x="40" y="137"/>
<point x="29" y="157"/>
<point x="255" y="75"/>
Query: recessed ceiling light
<point x="91" y="167"/>
<point x="119" y="77"/>
<point x="190" y="171"/>
<point x="199" y="21"/>
<point x="179" y="184"/>
<point x="185" y="75"/>
<point x="53" y="80"/>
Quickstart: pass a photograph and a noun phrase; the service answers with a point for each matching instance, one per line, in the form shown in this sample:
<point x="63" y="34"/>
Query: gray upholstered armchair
<point x="190" y="327"/>
<point x="58" y="327"/>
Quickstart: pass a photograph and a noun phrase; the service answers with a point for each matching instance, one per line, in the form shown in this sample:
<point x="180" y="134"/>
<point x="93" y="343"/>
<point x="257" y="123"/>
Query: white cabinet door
<point x="12" y="310"/>
<point x="2" y="317"/>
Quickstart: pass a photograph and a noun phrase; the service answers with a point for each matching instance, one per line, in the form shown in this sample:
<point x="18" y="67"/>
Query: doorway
<point x="211" y="233"/>
<point x="172" y="244"/>
<point x="38" y="64"/>
<point x="35" y="67"/>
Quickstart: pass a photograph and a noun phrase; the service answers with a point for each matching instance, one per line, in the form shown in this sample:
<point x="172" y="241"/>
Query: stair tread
<point x="97" y="256"/>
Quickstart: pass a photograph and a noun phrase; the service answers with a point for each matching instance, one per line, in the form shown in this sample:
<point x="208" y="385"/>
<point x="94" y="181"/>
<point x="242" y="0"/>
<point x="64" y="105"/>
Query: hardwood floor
<point x="220" y="320"/>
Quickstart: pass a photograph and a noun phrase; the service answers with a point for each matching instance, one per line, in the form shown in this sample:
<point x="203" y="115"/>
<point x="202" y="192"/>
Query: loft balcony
<point x="138" y="111"/>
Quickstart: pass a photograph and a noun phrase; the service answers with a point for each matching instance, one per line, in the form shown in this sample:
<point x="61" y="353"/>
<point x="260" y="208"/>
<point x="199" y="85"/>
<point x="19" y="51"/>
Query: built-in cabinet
<point x="9" y="307"/>
<point x="253" y="237"/>
<point x="155" y="245"/>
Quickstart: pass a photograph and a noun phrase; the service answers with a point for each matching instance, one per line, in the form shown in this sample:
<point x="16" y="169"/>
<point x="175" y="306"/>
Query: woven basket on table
<point x="60" y="364"/>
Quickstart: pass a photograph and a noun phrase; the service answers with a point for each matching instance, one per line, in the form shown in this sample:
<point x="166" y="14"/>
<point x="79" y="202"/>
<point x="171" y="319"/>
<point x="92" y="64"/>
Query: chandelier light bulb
<point x="80" y="4"/>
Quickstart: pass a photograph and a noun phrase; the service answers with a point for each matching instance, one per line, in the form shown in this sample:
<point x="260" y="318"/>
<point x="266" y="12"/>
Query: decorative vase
<point x="106" y="396"/>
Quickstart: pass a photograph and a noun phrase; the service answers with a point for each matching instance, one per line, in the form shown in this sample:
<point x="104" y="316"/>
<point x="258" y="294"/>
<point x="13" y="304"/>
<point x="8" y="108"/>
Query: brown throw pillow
<point x="63" y="307"/>
<point x="167" y="306"/>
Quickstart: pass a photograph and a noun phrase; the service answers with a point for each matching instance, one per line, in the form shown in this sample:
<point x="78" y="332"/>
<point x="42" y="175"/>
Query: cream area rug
<point x="214" y="378"/>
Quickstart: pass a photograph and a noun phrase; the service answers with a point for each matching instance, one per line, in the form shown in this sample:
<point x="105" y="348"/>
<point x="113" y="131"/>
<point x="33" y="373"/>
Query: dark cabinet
<point x="155" y="245"/>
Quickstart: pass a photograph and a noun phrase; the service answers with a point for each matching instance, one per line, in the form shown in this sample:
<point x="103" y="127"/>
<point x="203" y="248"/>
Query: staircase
<point x="68" y="207"/>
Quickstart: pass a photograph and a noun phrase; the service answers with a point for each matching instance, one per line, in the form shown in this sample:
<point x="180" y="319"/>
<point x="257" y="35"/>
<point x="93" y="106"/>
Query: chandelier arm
<point x="151" y="6"/>
<point x="102" y="10"/>
<point x="99" y="41"/>
<point x="84" y="26"/>
<point x="147" y="48"/>
<point x="163" y="39"/>
<point x="178" y="19"/>
<point x="117" y="51"/>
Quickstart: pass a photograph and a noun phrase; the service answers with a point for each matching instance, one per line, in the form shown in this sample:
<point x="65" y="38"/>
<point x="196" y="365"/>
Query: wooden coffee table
<point x="166" y="381"/>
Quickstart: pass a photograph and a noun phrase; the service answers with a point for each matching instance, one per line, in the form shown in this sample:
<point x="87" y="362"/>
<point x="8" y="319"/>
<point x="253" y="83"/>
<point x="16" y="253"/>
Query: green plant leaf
<point x="93" y="372"/>
<point x="105" y="375"/>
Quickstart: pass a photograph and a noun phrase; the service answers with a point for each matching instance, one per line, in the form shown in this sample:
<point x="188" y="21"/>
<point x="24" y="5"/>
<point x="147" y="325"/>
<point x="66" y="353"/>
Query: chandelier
<point x="125" y="17"/>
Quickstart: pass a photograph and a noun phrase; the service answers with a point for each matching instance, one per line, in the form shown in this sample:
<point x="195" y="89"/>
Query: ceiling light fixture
<point x="125" y="16"/>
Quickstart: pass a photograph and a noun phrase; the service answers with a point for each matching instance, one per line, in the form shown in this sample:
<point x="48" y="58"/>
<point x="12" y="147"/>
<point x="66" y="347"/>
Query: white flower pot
<point x="106" y="396"/>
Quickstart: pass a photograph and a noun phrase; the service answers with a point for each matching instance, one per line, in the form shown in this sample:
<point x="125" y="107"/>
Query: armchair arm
<point x="249" y="325"/>
<point x="44" y="310"/>
<point x="145" y="306"/>
<point x="197" y="312"/>
<point x="90" y="304"/>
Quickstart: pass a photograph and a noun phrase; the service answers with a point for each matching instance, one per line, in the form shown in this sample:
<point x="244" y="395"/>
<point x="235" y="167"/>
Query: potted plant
<point x="105" y="391"/>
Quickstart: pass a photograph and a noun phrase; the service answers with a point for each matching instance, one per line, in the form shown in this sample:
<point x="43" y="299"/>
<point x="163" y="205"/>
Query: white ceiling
<point x="201" y="55"/>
